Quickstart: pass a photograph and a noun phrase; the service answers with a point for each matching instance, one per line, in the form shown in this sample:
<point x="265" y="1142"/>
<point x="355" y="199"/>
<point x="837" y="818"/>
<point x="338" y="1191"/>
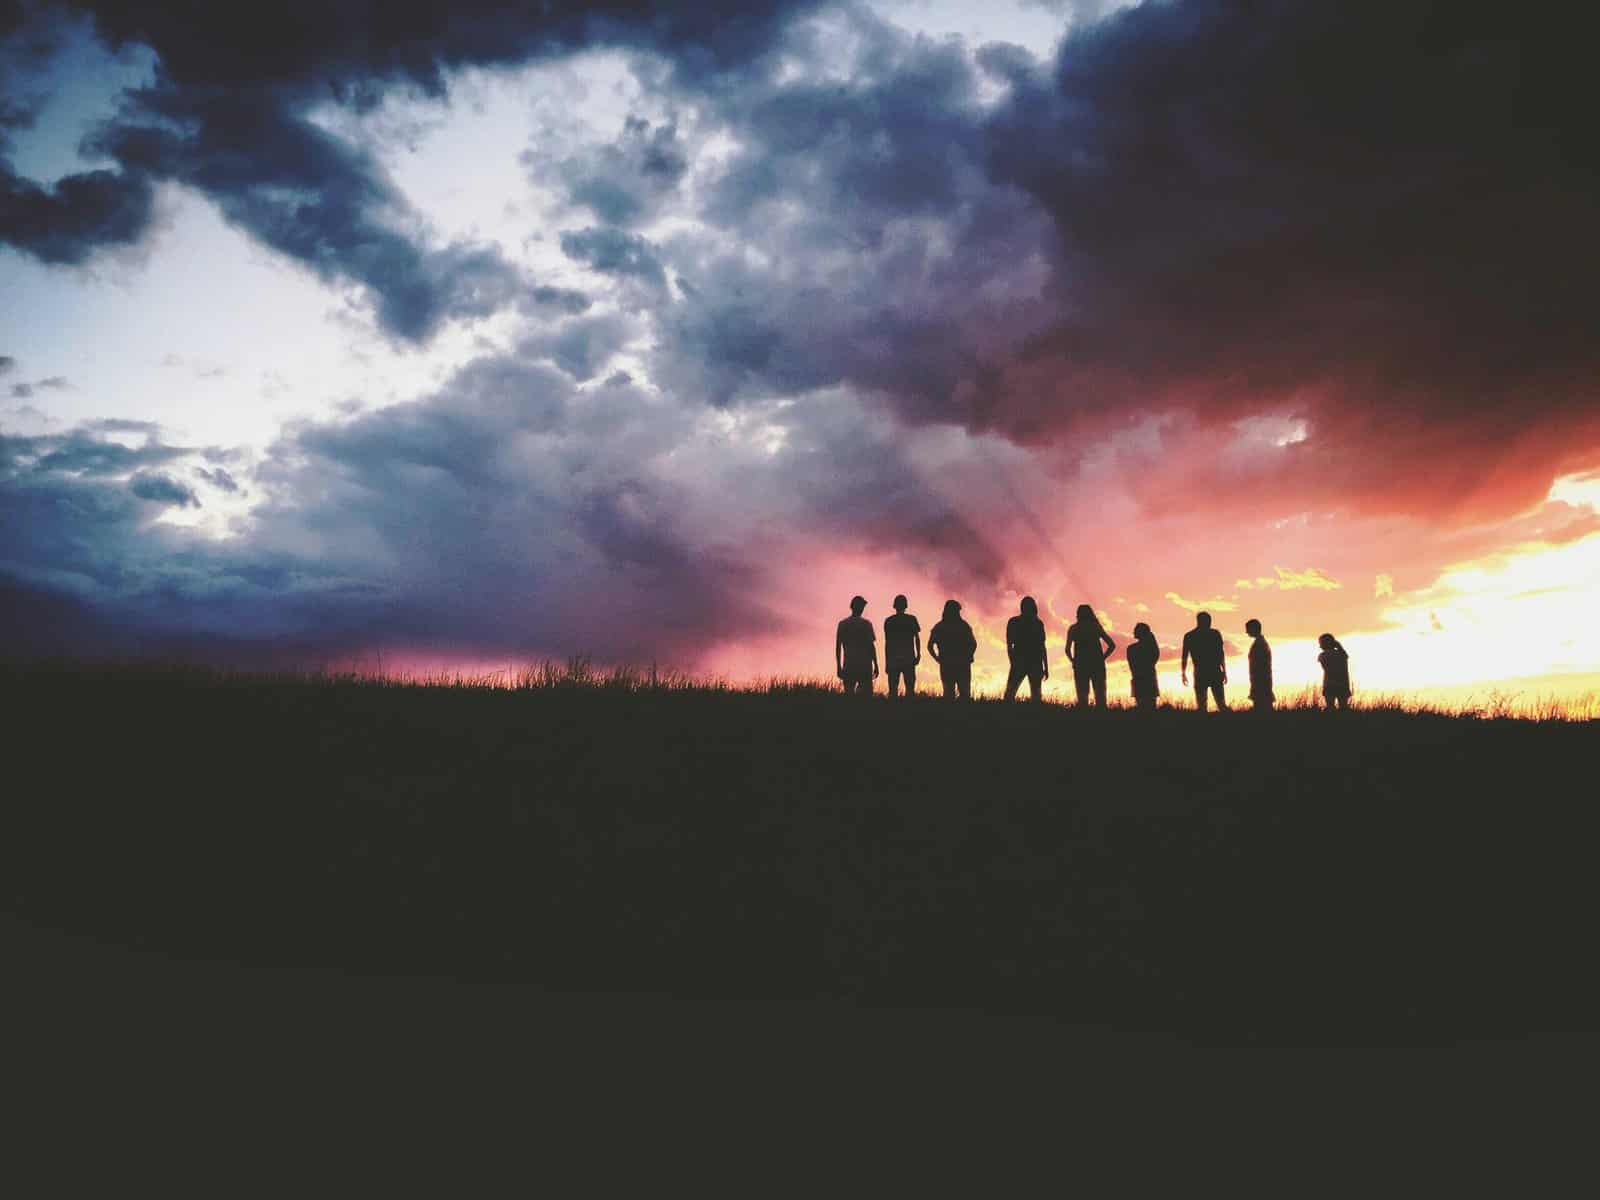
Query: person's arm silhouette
<point x="933" y="643"/>
<point x="1183" y="667"/>
<point x="1111" y="646"/>
<point x="916" y="646"/>
<point x="1072" y="632"/>
<point x="838" y="651"/>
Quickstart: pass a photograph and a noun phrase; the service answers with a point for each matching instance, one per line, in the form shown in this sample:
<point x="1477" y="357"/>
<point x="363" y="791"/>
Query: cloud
<point x="228" y="115"/>
<point x="1383" y="586"/>
<point x="584" y="345"/>
<point x="624" y="182"/>
<point x="1193" y="272"/>
<point x="7" y="364"/>
<point x="1290" y="580"/>
<point x="614" y="252"/>
<point x="160" y="488"/>
<point x="219" y="478"/>
<point x="74" y="217"/>
<point x="1247" y="225"/>
<point x="82" y="452"/>
<point x="1215" y="604"/>
<point x="52" y="383"/>
<point x="509" y="512"/>
<point x="886" y="259"/>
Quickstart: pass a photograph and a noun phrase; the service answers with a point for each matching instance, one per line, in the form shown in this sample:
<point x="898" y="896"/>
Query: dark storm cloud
<point x="614" y="252"/>
<point x="311" y="196"/>
<point x="83" y="452"/>
<point x="68" y="221"/>
<point x="7" y="364"/>
<point x="349" y="46"/>
<point x="583" y="346"/>
<point x="228" y="116"/>
<point x="161" y="488"/>
<point x="1379" y="214"/>
<point x="625" y="181"/>
<point x="508" y="513"/>
<point x="887" y="257"/>
<point x="91" y="571"/>
<point x="1375" y="217"/>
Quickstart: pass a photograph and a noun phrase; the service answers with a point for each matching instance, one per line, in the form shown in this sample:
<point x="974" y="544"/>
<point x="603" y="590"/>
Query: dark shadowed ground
<point x="698" y="924"/>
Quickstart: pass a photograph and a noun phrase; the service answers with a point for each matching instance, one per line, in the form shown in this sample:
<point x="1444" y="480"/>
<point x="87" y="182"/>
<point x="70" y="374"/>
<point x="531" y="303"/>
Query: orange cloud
<point x="1216" y="602"/>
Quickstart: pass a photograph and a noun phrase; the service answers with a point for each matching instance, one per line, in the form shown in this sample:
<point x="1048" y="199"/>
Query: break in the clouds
<point x="1194" y="303"/>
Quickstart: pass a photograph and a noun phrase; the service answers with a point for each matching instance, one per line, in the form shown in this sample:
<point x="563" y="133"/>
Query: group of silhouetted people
<point x="1089" y="646"/>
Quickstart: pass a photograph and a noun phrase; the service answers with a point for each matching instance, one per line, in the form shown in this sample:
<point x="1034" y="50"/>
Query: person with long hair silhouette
<point x="1335" y="672"/>
<point x="953" y="646"/>
<point x="855" y="650"/>
<point x="1088" y="659"/>
<point x="1261" y="697"/>
<point x="1143" y="654"/>
<point x="1203" y="645"/>
<point x="902" y="648"/>
<point x="1025" y="647"/>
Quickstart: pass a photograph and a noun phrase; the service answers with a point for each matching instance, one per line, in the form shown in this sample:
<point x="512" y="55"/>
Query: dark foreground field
<point x="795" y="869"/>
<point x="1372" y="876"/>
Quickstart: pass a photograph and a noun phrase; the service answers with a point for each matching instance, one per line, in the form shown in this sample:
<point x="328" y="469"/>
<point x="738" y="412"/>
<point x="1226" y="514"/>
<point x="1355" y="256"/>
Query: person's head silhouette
<point x="952" y="610"/>
<point x="1029" y="608"/>
<point x="899" y="604"/>
<point x="1253" y="627"/>
<point x="1202" y="620"/>
<point x="1086" y="615"/>
<point x="1327" y="641"/>
<point x="857" y="603"/>
<point x="1141" y="632"/>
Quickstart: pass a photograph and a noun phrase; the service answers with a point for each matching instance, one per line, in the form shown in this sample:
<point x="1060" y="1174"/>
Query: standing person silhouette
<point x="1143" y="654"/>
<point x="1025" y="647"/>
<point x="1261" y="697"/>
<point x="1335" y="672"/>
<point x="1087" y="658"/>
<point x="1203" y="644"/>
<point x="855" y="650"/>
<point x="902" y="648"/>
<point x="952" y="644"/>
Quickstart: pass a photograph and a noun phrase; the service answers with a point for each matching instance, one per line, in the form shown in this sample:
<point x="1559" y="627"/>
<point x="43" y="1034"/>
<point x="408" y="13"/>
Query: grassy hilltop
<point x="1374" y="874"/>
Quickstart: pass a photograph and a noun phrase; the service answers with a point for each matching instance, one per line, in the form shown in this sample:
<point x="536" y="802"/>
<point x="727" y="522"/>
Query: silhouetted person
<point x="1143" y="654"/>
<point x="1203" y="645"/>
<point x="953" y="646"/>
<point x="1025" y="646"/>
<point x="1335" y="672"/>
<point x="1084" y="638"/>
<point x="902" y="648"/>
<point x="855" y="650"/>
<point x="1261" y="697"/>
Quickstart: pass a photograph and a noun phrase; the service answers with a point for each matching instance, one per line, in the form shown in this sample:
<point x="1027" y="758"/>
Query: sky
<point x="454" y="336"/>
